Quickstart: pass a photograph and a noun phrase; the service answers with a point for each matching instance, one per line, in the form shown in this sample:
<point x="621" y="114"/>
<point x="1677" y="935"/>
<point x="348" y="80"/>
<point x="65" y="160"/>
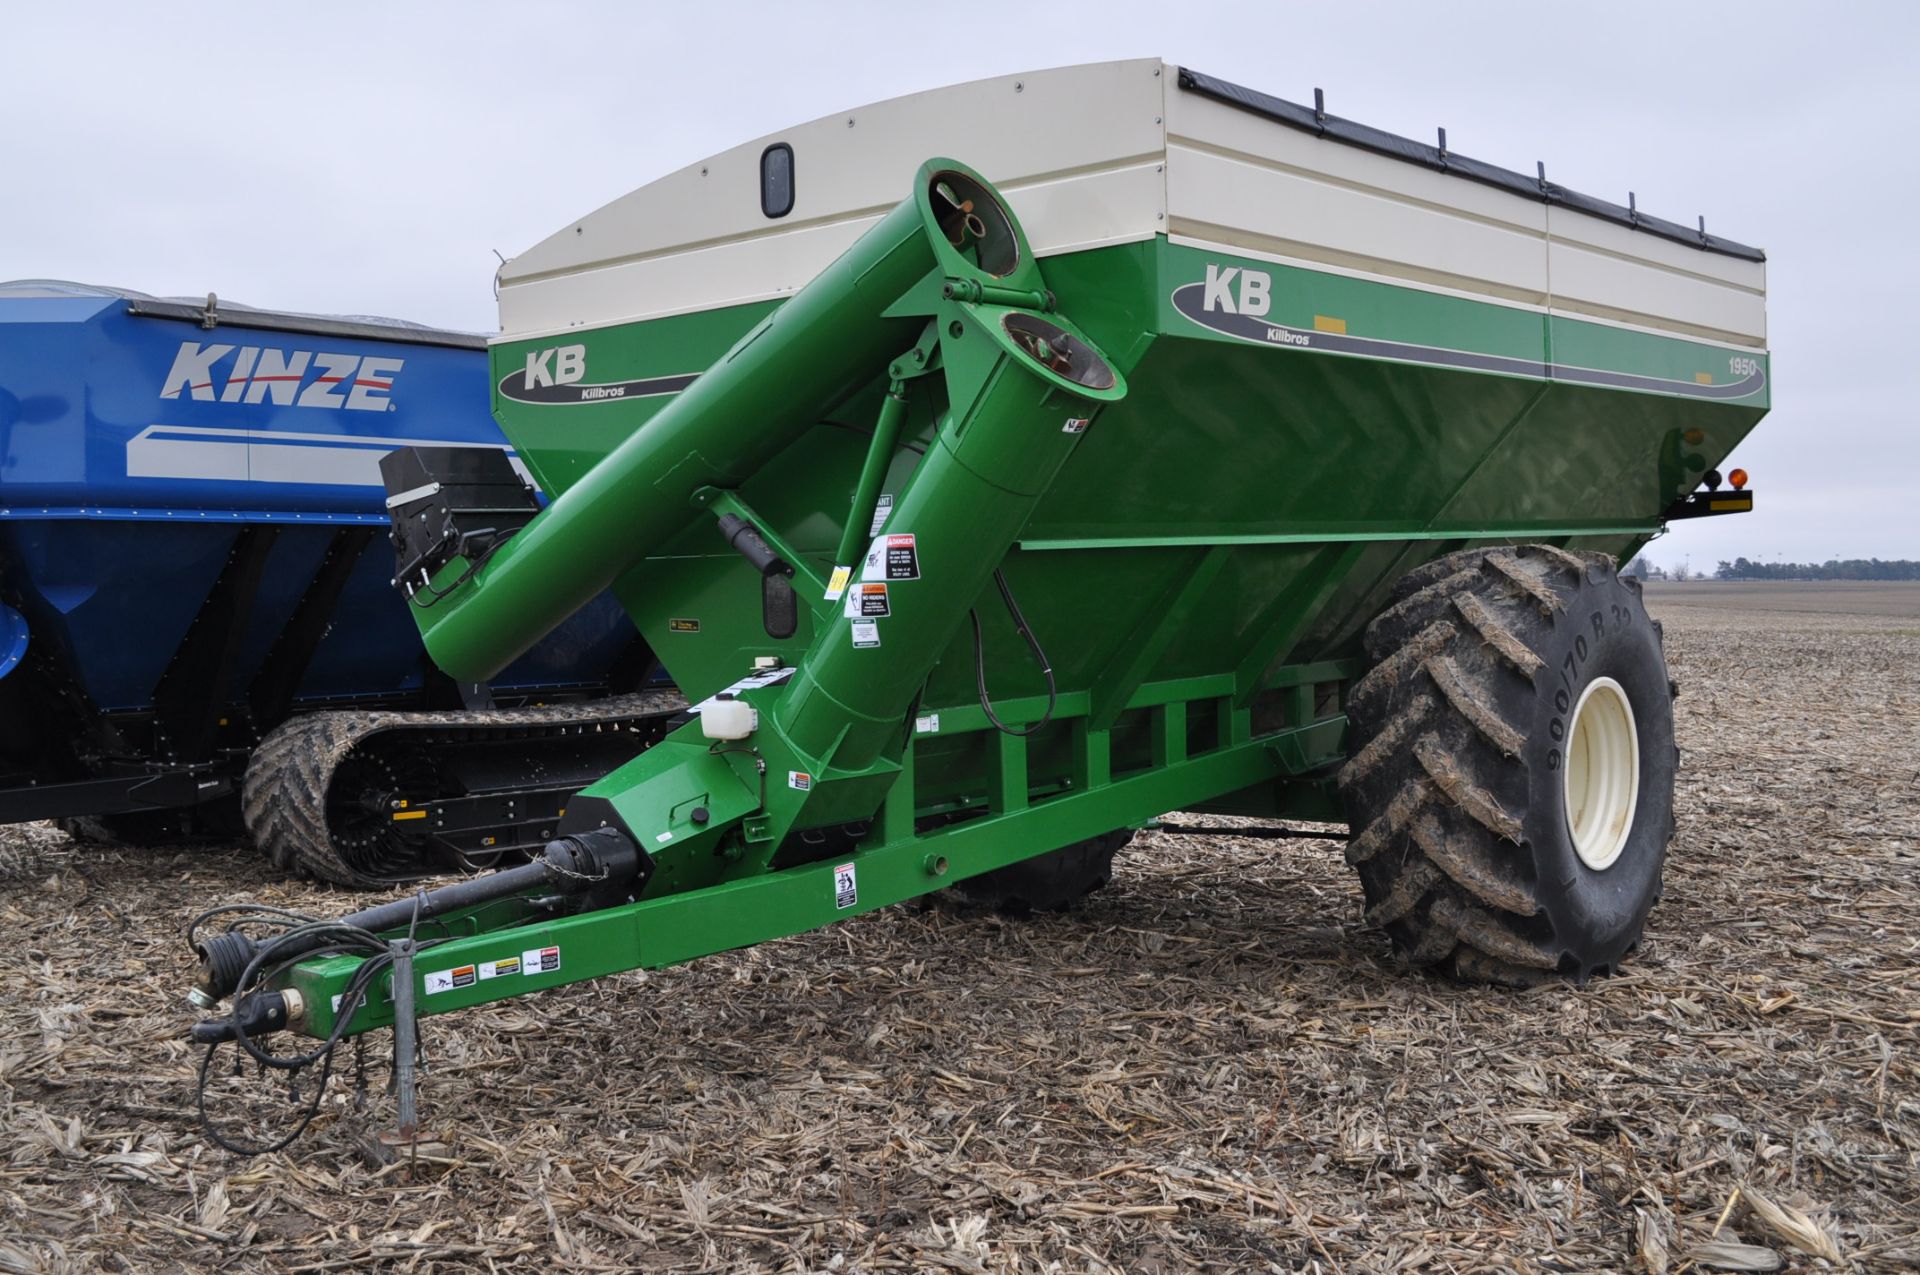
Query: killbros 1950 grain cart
<point x="1191" y="450"/>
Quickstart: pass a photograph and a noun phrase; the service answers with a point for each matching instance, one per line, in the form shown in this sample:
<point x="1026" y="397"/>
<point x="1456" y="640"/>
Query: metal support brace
<point x="278" y="678"/>
<point x="193" y="693"/>
<point x="406" y="1037"/>
<point x="1010" y="782"/>
<point x="886" y="441"/>
<point x="1286" y="618"/>
<point x="1169" y="734"/>
<point x="897" y="811"/>
<point x="1143" y="648"/>
<point x="1092" y="756"/>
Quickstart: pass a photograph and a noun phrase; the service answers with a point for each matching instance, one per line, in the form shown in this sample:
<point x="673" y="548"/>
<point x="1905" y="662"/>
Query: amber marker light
<point x="1739" y="479"/>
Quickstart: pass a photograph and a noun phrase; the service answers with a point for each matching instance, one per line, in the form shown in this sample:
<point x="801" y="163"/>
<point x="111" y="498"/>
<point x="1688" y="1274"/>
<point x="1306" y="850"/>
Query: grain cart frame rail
<point x="1224" y="456"/>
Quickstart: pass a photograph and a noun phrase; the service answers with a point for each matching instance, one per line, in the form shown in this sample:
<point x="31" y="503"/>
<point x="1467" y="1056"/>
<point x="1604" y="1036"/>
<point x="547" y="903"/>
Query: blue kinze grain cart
<point x="193" y="608"/>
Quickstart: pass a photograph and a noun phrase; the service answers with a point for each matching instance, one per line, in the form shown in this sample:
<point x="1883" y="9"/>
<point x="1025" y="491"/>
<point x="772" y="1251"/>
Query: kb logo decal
<point x="1235" y="300"/>
<point x="1256" y="290"/>
<point x="560" y="366"/>
<point x="557" y="376"/>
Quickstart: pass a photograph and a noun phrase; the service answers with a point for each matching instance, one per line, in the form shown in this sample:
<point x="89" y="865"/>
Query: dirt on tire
<point x="1457" y="747"/>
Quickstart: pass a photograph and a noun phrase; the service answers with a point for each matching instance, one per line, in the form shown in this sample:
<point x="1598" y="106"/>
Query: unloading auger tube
<point x="833" y="337"/>
<point x="673" y="855"/>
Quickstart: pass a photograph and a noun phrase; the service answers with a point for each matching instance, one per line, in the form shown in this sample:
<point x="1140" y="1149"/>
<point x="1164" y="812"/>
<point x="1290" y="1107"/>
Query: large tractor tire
<point x="1052" y="882"/>
<point x="1510" y="782"/>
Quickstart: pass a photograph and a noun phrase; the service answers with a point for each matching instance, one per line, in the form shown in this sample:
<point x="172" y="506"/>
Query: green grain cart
<point x="1191" y="450"/>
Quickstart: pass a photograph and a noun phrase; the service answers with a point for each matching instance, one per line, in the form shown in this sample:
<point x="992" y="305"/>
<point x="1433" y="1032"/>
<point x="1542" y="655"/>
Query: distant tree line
<point x="1643" y="568"/>
<point x="1832" y="569"/>
<point x="1747" y="569"/>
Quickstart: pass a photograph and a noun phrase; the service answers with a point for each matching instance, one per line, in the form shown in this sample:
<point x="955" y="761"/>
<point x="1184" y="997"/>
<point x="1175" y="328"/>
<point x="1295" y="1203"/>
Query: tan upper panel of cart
<point x="1109" y="153"/>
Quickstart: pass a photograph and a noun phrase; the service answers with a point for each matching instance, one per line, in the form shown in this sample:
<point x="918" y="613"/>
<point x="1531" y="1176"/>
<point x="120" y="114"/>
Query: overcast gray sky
<point x="368" y="158"/>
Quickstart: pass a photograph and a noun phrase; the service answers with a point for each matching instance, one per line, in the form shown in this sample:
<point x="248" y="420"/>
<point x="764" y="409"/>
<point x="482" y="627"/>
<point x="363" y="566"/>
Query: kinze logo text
<point x="285" y="378"/>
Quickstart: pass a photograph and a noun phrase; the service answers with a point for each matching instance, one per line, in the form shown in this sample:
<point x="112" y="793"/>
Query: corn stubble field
<point x="1213" y="1065"/>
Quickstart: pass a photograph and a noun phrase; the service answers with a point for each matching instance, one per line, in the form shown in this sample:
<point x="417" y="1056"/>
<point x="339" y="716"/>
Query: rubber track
<point x="284" y="797"/>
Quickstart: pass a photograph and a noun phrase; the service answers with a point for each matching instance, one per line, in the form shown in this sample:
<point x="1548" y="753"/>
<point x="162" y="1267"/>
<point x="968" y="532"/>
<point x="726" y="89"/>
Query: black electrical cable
<point x="220" y="1140"/>
<point x="266" y="964"/>
<point x="250" y="913"/>
<point x="1039" y="657"/>
<point x="351" y="1000"/>
<point x="473" y="567"/>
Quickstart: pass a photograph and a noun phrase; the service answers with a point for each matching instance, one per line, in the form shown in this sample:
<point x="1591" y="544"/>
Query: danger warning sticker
<point x="1076" y="425"/>
<point x="799" y="780"/>
<point x="540" y="960"/>
<point x="866" y="633"/>
<point x="867" y="602"/>
<point x="892" y="558"/>
<point x="846" y="891"/>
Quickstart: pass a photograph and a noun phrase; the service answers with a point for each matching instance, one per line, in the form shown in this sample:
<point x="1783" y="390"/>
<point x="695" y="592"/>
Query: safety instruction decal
<point x="447" y="980"/>
<point x="683" y="626"/>
<point x="881" y="508"/>
<point x="751" y="682"/>
<point x="799" y="781"/>
<point x="928" y="724"/>
<point x="540" y="960"/>
<point x="1076" y="425"/>
<point x="846" y="892"/>
<point x="837" y="583"/>
<point x="500" y="968"/>
<point x="868" y="602"/>
<point x="892" y="558"/>
<point x="866" y="633"/>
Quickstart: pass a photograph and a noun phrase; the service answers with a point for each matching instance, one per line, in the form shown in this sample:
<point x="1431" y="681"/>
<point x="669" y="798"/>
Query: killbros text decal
<point x="1236" y="301"/>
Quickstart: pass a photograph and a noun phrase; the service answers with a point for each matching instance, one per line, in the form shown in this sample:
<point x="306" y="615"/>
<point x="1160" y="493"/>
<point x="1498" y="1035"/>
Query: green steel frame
<point x="893" y="863"/>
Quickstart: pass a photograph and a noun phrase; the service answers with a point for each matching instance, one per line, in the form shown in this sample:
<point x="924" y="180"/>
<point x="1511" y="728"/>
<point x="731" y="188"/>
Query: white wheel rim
<point x="1601" y="781"/>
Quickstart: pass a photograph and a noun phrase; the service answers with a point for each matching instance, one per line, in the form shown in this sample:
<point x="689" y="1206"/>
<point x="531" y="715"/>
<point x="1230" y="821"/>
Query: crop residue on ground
<point x="1211" y="1066"/>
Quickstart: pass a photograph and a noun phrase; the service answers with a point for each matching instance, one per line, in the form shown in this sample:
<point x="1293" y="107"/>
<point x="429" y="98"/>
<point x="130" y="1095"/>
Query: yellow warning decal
<point x="837" y="585"/>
